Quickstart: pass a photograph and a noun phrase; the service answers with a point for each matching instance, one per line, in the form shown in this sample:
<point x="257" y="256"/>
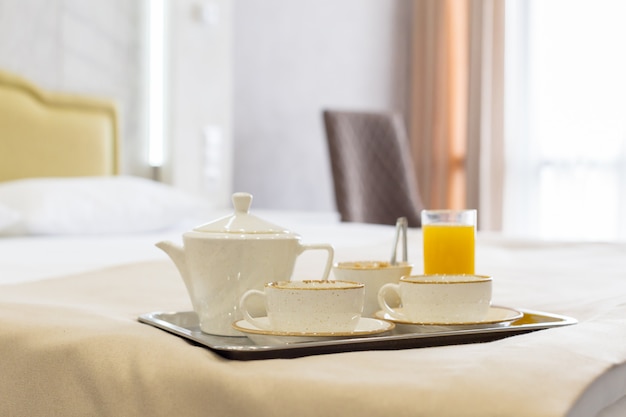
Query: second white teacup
<point x="439" y="298"/>
<point x="374" y="274"/>
<point x="309" y="306"/>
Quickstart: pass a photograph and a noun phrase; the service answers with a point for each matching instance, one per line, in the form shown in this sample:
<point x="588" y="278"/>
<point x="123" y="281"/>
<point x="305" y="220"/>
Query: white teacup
<point x="439" y="298"/>
<point x="374" y="274"/>
<point x="310" y="306"/>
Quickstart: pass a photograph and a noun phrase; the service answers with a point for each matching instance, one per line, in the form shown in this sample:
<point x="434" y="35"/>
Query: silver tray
<point x="185" y="324"/>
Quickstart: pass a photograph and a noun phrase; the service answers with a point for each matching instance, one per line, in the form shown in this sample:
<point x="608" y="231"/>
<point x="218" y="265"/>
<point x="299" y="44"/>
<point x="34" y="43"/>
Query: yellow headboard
<point x="49" y="134"/>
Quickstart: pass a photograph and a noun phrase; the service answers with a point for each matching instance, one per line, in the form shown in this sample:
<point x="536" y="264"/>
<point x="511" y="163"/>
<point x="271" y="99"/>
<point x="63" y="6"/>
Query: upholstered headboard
<point x="46" y="134"/>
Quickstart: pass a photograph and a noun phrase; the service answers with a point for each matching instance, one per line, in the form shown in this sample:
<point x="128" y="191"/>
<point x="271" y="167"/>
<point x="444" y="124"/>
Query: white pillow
<point x="92" y="205"/>
<point x="9" y="219"/>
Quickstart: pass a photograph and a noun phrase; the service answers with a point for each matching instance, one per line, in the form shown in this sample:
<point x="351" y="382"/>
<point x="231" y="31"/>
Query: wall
<point x="253" y="80"/>
<point x="99" y="47"/>
<point x="79" y="46"/>
<point x="199" y="68"/>
<point x="291" y="60"/>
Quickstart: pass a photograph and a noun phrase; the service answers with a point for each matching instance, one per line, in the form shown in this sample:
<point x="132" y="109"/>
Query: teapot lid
<point x="242" y="222"/>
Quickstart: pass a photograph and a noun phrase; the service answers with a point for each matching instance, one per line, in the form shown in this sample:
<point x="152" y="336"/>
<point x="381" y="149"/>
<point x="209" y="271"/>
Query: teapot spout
<point x="177" y="255"/>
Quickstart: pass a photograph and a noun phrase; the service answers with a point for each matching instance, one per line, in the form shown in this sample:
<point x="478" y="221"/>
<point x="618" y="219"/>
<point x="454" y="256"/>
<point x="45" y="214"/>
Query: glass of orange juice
<point x="449" y="237"/>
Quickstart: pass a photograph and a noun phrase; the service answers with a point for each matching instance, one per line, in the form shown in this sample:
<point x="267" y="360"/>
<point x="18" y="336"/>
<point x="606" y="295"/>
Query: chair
<point x="374" y="178"/>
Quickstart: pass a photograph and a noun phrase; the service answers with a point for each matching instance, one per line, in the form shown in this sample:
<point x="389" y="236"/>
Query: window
<point x="565" y="119"/>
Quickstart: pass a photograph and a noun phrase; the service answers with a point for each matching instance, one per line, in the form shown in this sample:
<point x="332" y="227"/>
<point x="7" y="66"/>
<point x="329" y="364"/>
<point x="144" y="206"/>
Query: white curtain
<point x="456" y="122"/>
<point x="485" y="159"/>
<point x="438" y="116"/>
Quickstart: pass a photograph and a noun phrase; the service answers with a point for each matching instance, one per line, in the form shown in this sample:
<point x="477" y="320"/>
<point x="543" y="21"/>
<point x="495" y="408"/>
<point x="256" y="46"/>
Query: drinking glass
<point x="449" y="241"/>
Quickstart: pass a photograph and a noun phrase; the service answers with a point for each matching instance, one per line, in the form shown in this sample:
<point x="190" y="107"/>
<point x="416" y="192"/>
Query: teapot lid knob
<point x="241" y="202"/>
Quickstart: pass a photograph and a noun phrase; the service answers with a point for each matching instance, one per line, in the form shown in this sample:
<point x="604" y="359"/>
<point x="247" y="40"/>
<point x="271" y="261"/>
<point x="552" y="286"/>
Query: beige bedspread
<point x="73" y="347"/>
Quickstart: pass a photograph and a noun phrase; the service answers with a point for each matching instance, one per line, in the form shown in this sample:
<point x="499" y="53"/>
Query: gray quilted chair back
<point x="373" y="174"/>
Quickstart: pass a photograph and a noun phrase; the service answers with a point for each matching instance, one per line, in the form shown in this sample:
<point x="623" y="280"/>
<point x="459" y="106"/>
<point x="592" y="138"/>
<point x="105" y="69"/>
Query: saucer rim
<point x="514" y="315"/>
<point x="384" y="325"/>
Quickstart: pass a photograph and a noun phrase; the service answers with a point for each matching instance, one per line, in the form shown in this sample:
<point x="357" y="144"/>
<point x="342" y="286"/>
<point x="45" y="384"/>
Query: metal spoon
<point x="401" y="229"/>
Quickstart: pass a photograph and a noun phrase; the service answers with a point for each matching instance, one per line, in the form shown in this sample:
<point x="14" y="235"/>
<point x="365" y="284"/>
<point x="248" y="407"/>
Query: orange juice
<point x="448" y="249"/>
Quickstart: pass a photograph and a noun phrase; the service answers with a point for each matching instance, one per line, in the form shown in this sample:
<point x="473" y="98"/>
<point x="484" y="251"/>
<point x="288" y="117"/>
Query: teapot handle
<point x="329" y="259"/>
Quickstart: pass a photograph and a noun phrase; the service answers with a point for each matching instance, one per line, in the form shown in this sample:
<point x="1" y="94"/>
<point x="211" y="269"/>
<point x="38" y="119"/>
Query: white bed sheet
<point x="511" y="261"/>
<point x="31" y="258"/>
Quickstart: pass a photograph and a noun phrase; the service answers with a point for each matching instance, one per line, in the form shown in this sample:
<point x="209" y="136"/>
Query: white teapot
<point x="223" y="259"/>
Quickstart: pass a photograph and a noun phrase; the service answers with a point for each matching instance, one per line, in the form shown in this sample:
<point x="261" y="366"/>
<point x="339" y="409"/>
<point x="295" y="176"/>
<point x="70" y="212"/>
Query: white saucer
<point x="366" y="327"/>
<point x="497" y="316"/>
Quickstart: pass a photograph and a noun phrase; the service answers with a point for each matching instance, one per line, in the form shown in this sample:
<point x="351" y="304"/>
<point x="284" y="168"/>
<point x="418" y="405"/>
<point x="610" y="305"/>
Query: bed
<point x="77" y="272"/>
<point x="48" y="133"/>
